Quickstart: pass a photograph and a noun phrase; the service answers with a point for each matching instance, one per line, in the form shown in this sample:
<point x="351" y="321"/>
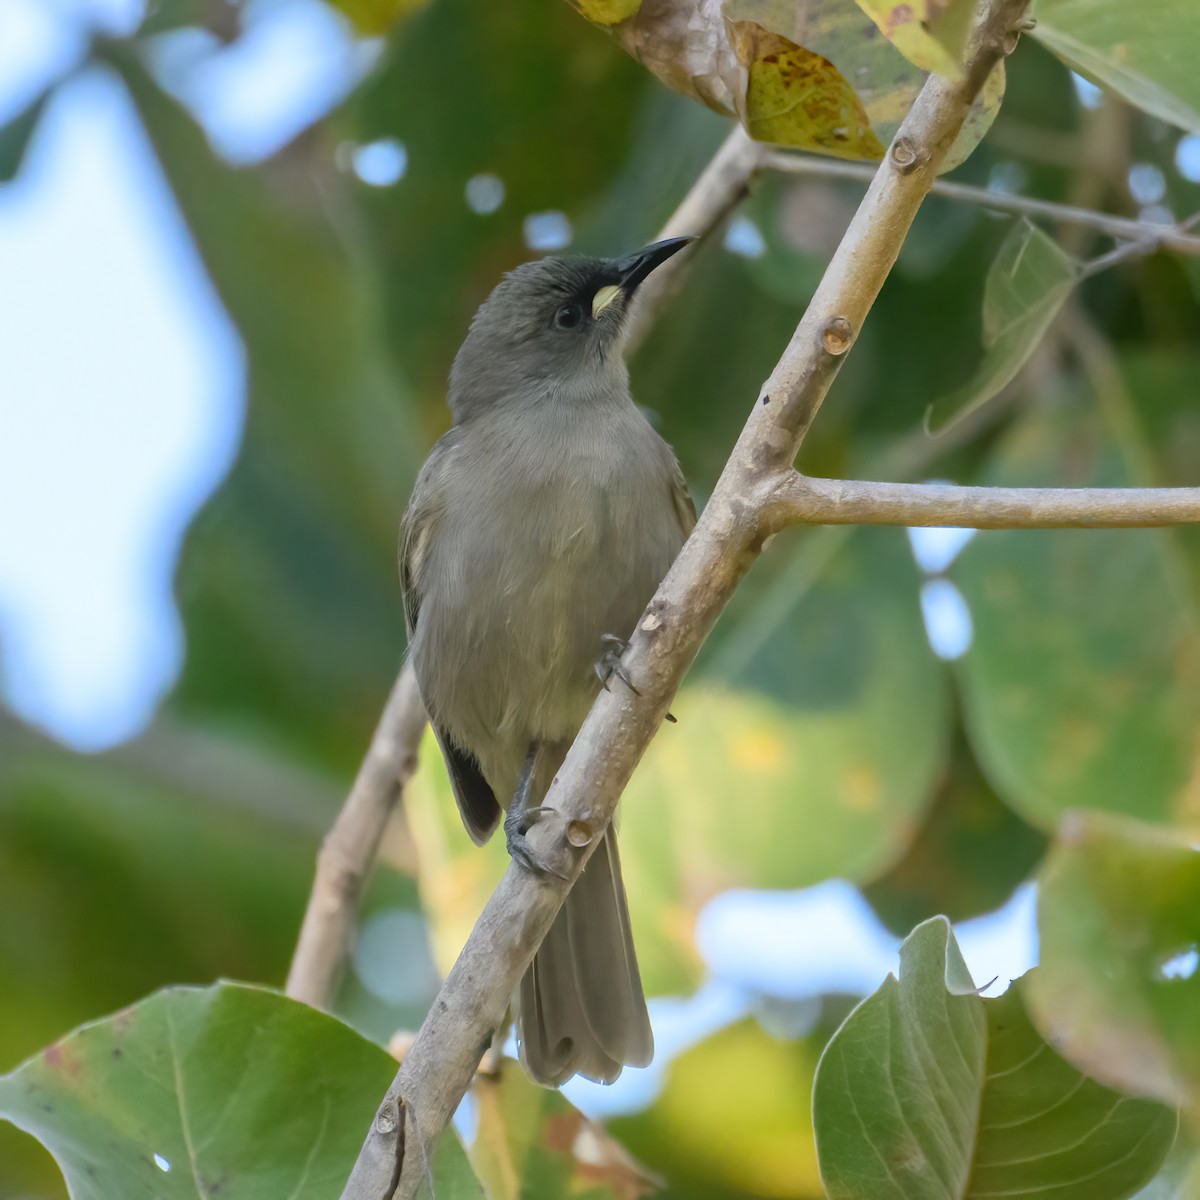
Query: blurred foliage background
<point x="822" y="736"/>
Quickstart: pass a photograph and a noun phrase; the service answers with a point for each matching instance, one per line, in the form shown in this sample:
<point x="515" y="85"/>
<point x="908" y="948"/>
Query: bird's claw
<point x="516" y="825"/>
<point x="610" y="664"/>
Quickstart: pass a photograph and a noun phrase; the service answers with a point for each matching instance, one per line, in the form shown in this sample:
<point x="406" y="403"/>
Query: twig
<point x="803" y="500"/>
<point x="349" y="849"/>
<point x="1168" y="237"/>
<point x="579" y="804"/>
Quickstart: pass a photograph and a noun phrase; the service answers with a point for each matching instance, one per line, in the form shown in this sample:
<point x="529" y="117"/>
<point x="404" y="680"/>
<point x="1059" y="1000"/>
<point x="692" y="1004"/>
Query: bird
<point x="538" y="530"/>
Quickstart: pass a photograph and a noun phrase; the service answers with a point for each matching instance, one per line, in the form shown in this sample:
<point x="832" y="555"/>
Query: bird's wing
<point x="681" y="498"/>
<point x="476" y="801"/>
<point x="417" y="525"/>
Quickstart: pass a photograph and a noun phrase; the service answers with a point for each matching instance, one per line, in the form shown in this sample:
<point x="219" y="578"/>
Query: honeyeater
<point x="540" y="526"/>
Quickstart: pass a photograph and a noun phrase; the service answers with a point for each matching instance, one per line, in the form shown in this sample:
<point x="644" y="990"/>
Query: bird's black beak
<point x="633" y="268"/>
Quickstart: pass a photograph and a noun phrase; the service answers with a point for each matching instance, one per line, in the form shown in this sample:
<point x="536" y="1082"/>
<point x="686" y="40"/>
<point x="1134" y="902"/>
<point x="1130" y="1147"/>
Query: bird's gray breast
<point x="543" y="544"/>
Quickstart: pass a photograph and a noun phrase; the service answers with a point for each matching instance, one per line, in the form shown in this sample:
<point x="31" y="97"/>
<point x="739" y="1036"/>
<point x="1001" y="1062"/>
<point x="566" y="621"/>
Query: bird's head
<point x="554" y="326"/>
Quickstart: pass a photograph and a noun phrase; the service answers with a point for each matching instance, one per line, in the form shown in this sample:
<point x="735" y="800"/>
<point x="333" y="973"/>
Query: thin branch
<point x="1168" y="237"/>
<point x="803" y="500"/>
<point x="349" y="849"/>
<point x="579" y="804"/>
<point x="714" y="195"/>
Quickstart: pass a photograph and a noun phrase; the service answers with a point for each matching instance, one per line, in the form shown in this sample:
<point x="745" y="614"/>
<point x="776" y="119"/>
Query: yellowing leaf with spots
<point x="809" y="73"/>
<point x="795" y="97"/>
<point x="931" y="34"/>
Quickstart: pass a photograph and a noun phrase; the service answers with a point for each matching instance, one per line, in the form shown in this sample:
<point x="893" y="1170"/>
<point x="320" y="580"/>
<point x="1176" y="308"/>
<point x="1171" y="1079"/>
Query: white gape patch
<point x="604" y="297"/>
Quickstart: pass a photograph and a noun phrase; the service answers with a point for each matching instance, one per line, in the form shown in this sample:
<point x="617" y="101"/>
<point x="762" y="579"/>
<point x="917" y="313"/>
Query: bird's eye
<point x="568" y="316"/>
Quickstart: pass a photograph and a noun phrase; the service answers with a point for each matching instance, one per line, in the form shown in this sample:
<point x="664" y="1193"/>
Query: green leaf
<point x="1119" y="923"/>
<point x="16" y="136"/>
<point x="227" y="1090"/>
<point x="970" y="855"/>
<point x="1146" y="59"/>
<point x="531" y="1142"/>
<point x="108" y="863"/>
<point x="1082" y="685"/>
<point x="104" y="856"/>
<point x="1027" y="284"/>
<point x="928" y="1090"/>
<point x="929" y="33"/>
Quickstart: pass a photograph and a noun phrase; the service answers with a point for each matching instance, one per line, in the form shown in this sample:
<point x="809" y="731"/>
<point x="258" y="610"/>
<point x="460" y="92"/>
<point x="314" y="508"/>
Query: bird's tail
<point x="581" y="1008"/>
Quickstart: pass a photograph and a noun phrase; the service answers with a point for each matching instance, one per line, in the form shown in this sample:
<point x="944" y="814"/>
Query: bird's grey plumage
<point x="542" y="521"/>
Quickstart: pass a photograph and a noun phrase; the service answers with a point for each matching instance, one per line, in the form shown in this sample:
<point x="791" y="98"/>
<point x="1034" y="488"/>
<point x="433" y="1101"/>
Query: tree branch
<point x="349" y="849"/>
<point x="1168" y="237"/>
<point x="803" y="500"/>
<point x="471" y="1004"/>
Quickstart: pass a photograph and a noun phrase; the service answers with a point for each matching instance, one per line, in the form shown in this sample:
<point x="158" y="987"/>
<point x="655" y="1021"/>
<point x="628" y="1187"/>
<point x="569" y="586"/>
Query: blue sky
<point x="122" y="392"/>
<point x="123" y="381"/>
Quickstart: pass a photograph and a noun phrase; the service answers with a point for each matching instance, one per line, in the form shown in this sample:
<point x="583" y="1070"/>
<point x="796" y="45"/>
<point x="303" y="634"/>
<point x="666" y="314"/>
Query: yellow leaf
<point x="929" y="33"/>
<point x="795" y="97"/>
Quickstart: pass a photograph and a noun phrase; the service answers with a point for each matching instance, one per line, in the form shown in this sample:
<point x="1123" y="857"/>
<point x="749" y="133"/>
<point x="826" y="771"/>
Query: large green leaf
<point x="185" y="855"/>
<point x="1082" y="685"/>
<point x="1119" y="922"/>
<point x="970" y="855"/>
<point x="228" y="1090"/>
<point x="110" y="862"/>
<point x="1158" y="390"/>
<point x="1027" y="285"/>
<point x="928" y="1090"/>
<point x="843" y="725"/>
<point x="1146" y="57"/>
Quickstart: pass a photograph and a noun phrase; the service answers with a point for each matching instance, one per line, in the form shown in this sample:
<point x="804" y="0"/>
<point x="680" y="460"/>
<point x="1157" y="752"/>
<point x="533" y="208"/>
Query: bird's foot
<point x="517" y="824"/>
<point x="609" y="663"/>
